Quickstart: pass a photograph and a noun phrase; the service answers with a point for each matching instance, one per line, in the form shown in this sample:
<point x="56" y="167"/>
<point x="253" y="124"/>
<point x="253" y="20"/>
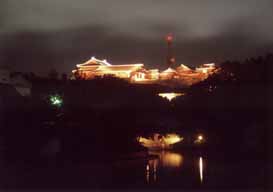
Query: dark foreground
<point x="100" y="120"/>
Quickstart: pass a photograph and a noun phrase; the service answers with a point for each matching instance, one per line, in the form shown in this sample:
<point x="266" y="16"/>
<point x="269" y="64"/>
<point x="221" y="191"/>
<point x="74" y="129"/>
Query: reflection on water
<point x="201" y="168"/>
<point x="171" y="161"/>
<point x="155" y="176"/>
<point x="154" y="171"/>
<point x="165" y="159"/>
<point x="147" y="173"/>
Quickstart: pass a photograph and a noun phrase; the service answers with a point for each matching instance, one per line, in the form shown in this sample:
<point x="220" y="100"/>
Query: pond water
<point x="190" y="170"/>
<point x="165" y="170"/>
<point x="172" y="167"/>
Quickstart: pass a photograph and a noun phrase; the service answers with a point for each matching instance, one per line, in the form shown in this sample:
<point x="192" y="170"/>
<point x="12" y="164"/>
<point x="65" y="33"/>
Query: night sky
<point x="38" y="35"/>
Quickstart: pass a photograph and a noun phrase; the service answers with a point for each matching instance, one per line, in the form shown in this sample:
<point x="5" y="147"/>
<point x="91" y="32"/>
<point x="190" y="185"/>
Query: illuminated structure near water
<point x="136" y="73"/>
<point x="159" y="141"/>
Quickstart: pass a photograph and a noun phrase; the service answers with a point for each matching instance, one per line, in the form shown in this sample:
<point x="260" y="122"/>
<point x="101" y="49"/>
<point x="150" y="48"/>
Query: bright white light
<point x="164" y="142"/>
<point x="201" y="169"/>
<point x="209" y="65"/>
<point x="170" y="96"/>
<point x="56" y="100"/>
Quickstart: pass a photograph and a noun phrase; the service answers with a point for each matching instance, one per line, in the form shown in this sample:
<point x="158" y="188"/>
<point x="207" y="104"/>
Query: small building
<point x="206" y="68"/>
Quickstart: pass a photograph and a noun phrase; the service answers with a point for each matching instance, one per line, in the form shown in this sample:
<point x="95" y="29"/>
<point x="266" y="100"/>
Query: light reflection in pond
<point x="201" y="168"/>
<point x="171" y="161"/>
<point x="165" y="159"/>
<point x="147" y="173"/>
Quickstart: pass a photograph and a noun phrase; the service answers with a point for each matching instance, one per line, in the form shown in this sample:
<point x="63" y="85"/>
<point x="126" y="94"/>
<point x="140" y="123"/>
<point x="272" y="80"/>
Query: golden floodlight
<point x="170" y="159"/>
<point x="201" y="169"/>
<point x="160" y="141"/>
<point x="199" y="139"/>
<point x="170" y="96"/>
<point x="137" y="73"/>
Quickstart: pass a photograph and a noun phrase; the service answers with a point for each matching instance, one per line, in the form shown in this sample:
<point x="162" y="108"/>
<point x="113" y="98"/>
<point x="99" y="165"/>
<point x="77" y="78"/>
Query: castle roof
<point x="169" y="70"/>
<point x="184" y="68"/>
<point x="104" y="65"/>
<point x="94" y="62"/>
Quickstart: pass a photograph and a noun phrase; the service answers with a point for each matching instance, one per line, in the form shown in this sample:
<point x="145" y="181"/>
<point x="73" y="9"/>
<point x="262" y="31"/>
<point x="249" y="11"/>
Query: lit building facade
<point x="136" y="73"/>
<point x="101" y="68"/>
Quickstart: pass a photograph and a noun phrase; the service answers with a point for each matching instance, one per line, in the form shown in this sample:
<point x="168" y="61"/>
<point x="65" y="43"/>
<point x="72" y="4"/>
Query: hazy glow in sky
<point x="91" y="25"/>
<point x="146" y="18"/>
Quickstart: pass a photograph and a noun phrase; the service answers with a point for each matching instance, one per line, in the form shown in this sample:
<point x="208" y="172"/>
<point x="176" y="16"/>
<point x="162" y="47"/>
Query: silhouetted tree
<point x="64" y="76"/>
<point x="53" y="74"/>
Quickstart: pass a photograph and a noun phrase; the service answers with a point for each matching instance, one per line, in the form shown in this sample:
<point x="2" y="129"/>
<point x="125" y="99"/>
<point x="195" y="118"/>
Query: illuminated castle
<point x="101" y="68"/>
<point x="136" y="73"/>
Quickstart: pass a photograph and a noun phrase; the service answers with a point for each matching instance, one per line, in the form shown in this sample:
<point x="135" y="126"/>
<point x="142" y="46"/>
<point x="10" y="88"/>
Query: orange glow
<point x="204" y="70"/>
<point x="172" y="160"/>
<point x="169" y="70"/>
<point x="172" y="139"/>
<point x="136" y="73"/>
<point x="170" y="96"/>
<point x="183" y="67"/>
<point x="199" y="139"/>
<point x="159" y="141"/>
<point x="139" y="76"/>
<point x="166" y="159"/>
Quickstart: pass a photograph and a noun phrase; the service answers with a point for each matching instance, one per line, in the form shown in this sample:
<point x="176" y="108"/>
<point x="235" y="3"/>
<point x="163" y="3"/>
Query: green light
<point x="56" y="100"/>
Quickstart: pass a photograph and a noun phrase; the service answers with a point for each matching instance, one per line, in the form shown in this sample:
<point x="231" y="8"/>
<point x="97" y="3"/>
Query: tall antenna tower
<point x="170" y="60"/>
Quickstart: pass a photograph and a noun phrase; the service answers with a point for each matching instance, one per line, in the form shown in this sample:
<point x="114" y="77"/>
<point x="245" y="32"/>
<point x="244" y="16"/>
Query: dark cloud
<point x="64" y="49"/>
<point x="38" y="35"/>
<point x="204" y="18"/>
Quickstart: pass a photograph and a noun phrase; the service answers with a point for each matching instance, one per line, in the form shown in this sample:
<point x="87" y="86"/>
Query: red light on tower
<point x="169" y="37"/>
<point x="170" y="58"/>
